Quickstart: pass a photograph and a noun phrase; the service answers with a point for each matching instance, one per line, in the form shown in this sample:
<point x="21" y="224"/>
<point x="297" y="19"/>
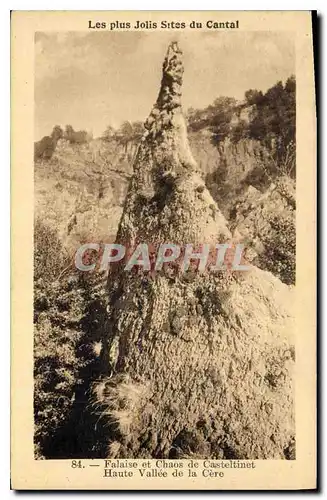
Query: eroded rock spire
<point x="169" y="98"/>
<point x="200" y="364"/>
<point x="167" y="198"/>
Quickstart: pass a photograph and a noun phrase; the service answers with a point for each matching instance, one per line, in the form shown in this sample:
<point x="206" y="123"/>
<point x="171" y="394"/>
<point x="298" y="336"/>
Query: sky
<point x="91" y="80"/>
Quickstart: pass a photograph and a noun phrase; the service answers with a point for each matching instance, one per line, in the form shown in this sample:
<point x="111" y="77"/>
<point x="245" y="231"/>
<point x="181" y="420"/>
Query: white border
<point x="5" y="176"/>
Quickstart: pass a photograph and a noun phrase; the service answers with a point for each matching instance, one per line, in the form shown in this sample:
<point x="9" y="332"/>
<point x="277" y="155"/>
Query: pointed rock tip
<point x="173" y="60"/>
<point x="169" y="97"/>
<point x="172" y="78"/>
<point x="173" y="48"/>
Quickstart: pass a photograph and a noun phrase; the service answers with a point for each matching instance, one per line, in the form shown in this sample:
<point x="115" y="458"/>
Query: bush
<point x="50" y="257"/>
<point x="217" y="117"/>
<point x="239" y="131"/>
<point x="109" y="134"/>
<point x="76" y="137"/>
<point x="254" y="97"/>
<point x="273" y="119"/>
<point x="280" y="248"/>
<point x="69" y="314"/>
<point x="44" y="149"/>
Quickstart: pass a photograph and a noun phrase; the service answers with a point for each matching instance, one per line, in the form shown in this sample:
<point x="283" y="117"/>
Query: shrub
<point x="45" y="148"/>
<point x="69" y="314"/>
<point x="109" y="134"/>
<point x="217" y="117"/>
<point x="69" y="317"/>
<point x="280" y="248"/>
<point x="50" y="257"/>
<point x="76" y="137"/>
<point x="273" y="119"/>
<point x="239" y="131"/>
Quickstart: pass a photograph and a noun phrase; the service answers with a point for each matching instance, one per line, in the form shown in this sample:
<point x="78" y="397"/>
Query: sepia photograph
<point x="151" y="140"/>
<point x="164" y="191"/>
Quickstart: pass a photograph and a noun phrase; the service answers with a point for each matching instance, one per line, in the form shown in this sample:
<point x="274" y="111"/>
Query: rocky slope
<point x="198" y="364"/>
<point x="265" y="222"/>
<point x="81" y="190"/>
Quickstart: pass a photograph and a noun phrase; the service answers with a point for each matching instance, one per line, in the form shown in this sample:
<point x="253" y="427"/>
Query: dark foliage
<point x="127" y="132"/>
<point x="44" y="149"/>
<point x="280" y="248"/>
<point x="216" y="117"/>
<point x="69" y="318"/>
<point x="75" y="137"/>
<point x="271" y="119"/>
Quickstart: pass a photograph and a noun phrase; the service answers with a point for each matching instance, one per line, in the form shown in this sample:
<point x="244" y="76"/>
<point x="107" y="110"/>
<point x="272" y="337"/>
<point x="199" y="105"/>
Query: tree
<point x="69" y="132"/>
<point x="220" y="122"/>
<point x="216" y="117"/>
<point x="79" y="137"/>
<point x="126" y="130"/>
<point x="57" y="132"/>
<point x="239" y="131"/>
<point x="253" y="96"/>
<point x="129" y="131"/>
<point x="109" y="133"/>
<point x="45" y="148"/>
<point x="138" y="130"/>
<point x="274" y="118"/>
